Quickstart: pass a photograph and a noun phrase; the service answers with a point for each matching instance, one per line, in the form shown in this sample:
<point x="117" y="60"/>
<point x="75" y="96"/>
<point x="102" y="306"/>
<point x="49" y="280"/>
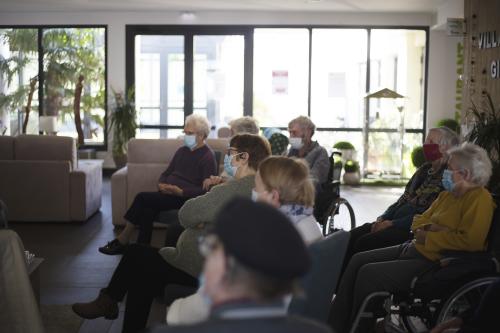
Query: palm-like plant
<point x="485" y="132"/>
<point x="124" y="124"/>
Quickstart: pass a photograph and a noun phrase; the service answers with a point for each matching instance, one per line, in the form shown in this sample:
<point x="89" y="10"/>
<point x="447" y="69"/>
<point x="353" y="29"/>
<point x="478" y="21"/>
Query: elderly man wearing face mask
<point x="301" y="130"/>
<point x="393" y="226"/>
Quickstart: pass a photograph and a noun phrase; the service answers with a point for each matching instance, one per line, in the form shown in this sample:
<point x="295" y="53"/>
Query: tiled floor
<point x="74" y="270"/>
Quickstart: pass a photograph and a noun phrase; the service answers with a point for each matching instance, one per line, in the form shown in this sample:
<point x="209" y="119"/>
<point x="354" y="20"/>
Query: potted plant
<point x="124" y="124"/>
<point x="346" y="149"/>
<point x="484" y="130"/>
<point x="351" y="173"/>
<point x="450" y="123"/>
<point x="417" y="156"/>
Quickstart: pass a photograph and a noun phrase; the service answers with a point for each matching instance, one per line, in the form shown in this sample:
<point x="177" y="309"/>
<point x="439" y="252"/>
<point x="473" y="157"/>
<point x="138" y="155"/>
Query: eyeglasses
<point x="208" y="244"/>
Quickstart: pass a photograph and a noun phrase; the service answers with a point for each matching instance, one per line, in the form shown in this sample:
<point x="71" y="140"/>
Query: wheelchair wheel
<point x="466" y="297"/>
<point x="340" y="216"/>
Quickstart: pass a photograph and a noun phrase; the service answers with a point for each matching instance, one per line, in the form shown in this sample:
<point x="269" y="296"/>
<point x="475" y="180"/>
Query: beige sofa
<point x="147" y="159"/>
<point x="41" y="180"/>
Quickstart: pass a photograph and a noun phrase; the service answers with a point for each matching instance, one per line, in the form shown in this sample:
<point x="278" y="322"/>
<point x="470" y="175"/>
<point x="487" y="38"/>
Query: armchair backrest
<point x="320" y="283"/>
<point x="45" y="148"/>
<point x="6" y="147"/>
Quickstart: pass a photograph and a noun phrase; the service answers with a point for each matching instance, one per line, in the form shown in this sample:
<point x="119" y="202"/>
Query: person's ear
<point x="275" y="196"/>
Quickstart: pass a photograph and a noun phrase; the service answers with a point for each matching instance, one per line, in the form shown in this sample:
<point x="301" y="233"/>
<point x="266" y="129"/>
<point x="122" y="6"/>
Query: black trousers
<point x="142" y="274"/>
<point x="362" y="239"/>
<point x="145" y="209"/>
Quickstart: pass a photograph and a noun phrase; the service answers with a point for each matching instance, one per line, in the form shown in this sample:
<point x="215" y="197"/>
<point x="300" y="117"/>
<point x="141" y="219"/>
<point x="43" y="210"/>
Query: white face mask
<point x="296" y="143"/>
<point x="255" y="195"/>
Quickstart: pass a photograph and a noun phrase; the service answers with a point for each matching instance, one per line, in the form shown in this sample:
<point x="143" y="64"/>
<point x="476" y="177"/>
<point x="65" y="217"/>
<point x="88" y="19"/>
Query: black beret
<point x="260" y="237"/>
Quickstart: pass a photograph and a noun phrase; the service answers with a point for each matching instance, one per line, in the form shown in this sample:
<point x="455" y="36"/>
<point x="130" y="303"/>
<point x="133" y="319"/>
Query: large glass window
<point x="159" y="74"/>
<point x="73" y="57"/>
<point x="397" y="63"/>
<point x="73" y="81"/>
<point x="338" y="78"/>
<point x="218" y="77"/>
<point x="280" y="75"/>
<point x="18" y="81"/>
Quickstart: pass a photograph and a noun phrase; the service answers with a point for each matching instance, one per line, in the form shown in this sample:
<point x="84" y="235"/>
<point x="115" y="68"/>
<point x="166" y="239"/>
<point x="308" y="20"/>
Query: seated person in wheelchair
<point x="459" y="219"/>
<point x="301" y="130"/>
<point x="482" y="319"/>
<point x="393" y="226"/>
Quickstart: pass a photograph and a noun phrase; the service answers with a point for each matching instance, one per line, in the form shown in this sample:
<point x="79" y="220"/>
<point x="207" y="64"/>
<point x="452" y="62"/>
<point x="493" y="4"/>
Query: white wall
<point x="442" y="77"/>
<point x="441" y="50"/>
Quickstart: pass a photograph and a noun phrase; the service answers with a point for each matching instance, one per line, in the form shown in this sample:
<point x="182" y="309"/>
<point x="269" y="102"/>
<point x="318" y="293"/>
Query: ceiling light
<point x="188" y="16"/>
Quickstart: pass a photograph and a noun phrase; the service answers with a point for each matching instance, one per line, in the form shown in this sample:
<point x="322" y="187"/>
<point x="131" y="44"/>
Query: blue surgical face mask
<point x="190" y="141"/>
<point x="201" y="289"/>
<point x="228" y="167"/>
<point x="255" y="195"/>
<point x="447" y="180"/>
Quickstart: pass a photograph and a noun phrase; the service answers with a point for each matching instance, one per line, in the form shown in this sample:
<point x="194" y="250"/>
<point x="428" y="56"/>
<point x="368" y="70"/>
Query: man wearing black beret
<point x="253" y="259"/>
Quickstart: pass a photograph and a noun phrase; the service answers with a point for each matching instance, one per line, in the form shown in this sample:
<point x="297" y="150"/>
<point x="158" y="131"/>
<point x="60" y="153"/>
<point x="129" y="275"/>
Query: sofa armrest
<point x="119" y="195"/>
<point x="85" y="190"/>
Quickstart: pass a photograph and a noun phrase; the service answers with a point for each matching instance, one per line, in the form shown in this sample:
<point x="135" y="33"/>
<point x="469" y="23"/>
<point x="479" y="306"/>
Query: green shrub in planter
<point x="417" y="156"/>
<point x="450" y="123"/>
<point x="351" y="166"/>
<point x="343" y="145"/>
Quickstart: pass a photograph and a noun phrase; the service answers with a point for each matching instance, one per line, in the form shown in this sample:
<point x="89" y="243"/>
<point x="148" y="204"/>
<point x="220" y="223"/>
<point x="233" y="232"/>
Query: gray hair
<point x="244" y="125"/>
<point x="200" y="123"/>
<point x="475" y="159"/>
<point x="304" y="123"/>
<point x="449" y="138"/>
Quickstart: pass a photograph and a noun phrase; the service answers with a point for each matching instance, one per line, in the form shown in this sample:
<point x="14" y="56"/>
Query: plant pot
<point x="120" y="160"/>
<point x="347" y="154"/>
<point x="352" y="178"/>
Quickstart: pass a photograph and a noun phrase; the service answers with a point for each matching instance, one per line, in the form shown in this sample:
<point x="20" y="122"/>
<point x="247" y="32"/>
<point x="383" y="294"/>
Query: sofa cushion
<point x="6" y="148"/>
<point x="157" y="151"/>
<point x="45" y="148"/>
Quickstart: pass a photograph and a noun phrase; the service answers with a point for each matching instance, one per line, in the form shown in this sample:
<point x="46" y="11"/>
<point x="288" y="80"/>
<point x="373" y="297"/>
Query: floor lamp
<point x="388" y="93"/>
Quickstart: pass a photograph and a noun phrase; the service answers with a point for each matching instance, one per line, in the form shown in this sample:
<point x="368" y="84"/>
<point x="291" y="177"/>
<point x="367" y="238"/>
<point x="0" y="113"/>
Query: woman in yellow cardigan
<point x="459" y="219"/>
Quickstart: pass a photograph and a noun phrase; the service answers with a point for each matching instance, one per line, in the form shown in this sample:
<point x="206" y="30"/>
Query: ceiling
<point x="421" y="6"/>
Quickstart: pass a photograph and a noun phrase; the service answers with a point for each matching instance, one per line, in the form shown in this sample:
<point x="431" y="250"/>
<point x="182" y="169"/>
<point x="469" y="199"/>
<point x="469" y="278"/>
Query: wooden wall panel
<point x="482" y="18"/>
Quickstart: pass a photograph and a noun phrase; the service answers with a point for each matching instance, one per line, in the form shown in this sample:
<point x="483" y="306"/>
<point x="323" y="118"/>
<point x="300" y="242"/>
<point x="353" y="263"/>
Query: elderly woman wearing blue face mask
<point x="182" y="180"/>
<point x="144" y="271"/>
<point x="459" y="219"/>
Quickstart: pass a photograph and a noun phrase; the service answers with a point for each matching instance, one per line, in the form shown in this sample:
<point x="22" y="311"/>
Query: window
<point x="70" y="57"/>
<point x="18" y="81"/>
<point x="278" y="73"/>
<point x="281" y="71"/>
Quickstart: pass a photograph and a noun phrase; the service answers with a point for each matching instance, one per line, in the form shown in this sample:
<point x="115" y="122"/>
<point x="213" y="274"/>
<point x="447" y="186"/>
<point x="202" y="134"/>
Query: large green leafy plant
<point x="123" y="123"/>
<point x="485" y="132"/>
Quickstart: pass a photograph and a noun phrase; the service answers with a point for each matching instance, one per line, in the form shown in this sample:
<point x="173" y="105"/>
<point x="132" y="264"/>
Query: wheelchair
<point x="452" y="286"/>
<point x="332" y="211"/>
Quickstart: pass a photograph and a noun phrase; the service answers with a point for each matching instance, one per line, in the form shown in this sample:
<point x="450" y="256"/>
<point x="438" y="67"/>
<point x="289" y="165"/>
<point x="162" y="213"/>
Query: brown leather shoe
<point x="102" y="306"/>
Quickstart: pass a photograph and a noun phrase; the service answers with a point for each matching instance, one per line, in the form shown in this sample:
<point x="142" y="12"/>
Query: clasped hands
<point x="421" y="233"/>
<point x="212" y="181"/>
<point x="170" y="189"/>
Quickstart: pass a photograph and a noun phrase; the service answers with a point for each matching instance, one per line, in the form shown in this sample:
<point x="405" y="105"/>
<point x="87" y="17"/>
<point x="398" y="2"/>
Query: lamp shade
<point x="47" y="124"/>
<point x="384" y="93"/>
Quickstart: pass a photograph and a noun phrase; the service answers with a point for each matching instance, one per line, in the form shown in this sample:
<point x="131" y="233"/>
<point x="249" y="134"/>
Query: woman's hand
<point x="170" y="189"/>
<point x="212" y="181"/>
<point x="455" y="322"/>
<point x="420" y="236"/>
<point x="379" y="226"/>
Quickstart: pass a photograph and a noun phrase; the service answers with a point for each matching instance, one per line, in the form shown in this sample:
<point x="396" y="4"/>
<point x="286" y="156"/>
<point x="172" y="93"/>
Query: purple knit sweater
<point x="189" y="168"/>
